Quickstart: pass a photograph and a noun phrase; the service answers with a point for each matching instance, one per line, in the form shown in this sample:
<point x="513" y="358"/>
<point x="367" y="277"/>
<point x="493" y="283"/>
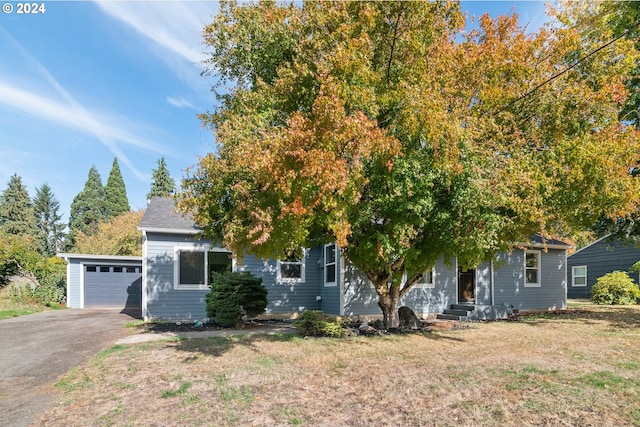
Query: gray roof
<point x="538" y="241"/>
<point x="161" y="216"/>
<point x="107" y="258"/>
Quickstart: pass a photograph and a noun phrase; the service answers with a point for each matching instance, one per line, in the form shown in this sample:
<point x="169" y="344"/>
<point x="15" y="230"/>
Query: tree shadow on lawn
<point x="617" y="317"/>
<point x="217" y="346"/>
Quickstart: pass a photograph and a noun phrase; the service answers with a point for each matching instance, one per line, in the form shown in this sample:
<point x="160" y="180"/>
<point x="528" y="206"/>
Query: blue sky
<point x="87" y="81"/>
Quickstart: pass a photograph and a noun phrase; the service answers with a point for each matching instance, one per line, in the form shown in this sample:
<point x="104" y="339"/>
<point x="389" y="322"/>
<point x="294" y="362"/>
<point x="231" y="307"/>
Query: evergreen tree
<point x="162" y="185"/>
<point x="48" y="221"/>
<point x="16" y="210"/>
<point x="116" y="192"/>
<point x="88" y="207"/>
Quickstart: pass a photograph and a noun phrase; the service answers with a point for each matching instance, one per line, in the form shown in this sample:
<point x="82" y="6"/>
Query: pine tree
<point x="116" y="192"/>
<point x="163" y="185"/>
<point x="89" y="206"/>
<point x="48" y="221"/>
<point x="16" y="210"/>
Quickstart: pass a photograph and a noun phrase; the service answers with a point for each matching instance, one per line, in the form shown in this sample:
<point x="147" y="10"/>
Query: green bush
<point x="51" y="287"/>
<point x="314" y="323"/>
<point x="233" y="295"/>
<point x="615" y="288"/>
<point x="48" y="294"/>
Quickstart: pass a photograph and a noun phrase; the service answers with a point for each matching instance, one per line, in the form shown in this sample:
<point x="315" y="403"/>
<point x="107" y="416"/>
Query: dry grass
<point x="577" y="368"/>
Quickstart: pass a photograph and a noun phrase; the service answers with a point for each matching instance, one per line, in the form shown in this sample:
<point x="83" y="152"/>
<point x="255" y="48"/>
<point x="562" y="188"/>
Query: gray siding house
<point x="603" y="256"/>
<point x="177" y="263"/>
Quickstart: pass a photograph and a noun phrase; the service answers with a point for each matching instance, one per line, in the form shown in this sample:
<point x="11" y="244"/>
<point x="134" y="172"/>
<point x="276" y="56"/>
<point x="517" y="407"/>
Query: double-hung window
<point x="579" y="275"/>
<point x="194" y="266"/>
<point x="532" y="268"/>
<point x="330" y="264"/>
<point x="291" y="270"/>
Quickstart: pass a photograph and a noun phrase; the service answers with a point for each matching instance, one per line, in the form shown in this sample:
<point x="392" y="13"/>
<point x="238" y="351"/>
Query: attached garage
<point x="103" y="281"/>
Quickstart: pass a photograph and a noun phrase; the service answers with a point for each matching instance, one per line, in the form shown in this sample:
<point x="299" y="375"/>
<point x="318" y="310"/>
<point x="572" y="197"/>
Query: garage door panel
<point x="112" y="287"/>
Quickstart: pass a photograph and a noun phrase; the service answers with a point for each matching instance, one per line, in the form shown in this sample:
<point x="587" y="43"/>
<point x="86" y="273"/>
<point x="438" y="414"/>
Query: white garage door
<point x="112" y="286"/>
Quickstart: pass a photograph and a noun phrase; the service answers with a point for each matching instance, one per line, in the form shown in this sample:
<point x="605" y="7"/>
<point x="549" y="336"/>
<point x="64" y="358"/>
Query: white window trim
<point x="300" y="279"/>
<point x="538" y="262"/>
<point x="335" y="265"/>
<point x="204" y="249"/>
<point x="427" y="285"/>
<point x="573" y="276"/>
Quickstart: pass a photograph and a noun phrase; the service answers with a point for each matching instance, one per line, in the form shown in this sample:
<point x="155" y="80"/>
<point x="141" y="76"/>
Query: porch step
<point x="444" y="316"/>
<point x="457" y="312"/>
<point x="466" y="307"/>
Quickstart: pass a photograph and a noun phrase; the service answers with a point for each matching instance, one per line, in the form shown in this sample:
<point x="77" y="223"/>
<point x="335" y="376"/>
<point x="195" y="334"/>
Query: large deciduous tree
<point x="16" y="209"/>
<point x="386" y="127"/>
<point x="115" y="192"/>
<point x="49" y="225"/>
<point x="117" y="236"/>
<point x="162" y="184"/>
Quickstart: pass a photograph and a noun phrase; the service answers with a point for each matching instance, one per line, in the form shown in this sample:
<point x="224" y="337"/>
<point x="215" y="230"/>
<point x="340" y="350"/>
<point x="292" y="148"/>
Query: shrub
<point x="233" y="295"/>
<point x="314" y="323"/>
<point x="49" y="274"/>
<point x="615" y="288"/>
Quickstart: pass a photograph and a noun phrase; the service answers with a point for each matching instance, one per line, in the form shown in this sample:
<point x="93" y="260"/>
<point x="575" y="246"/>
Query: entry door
<point x="466" y="285"/>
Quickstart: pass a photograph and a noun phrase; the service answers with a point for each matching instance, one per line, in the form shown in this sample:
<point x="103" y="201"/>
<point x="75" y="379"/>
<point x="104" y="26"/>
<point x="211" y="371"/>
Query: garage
<point x="112" y="286"/>
<point x="104" y="281"/>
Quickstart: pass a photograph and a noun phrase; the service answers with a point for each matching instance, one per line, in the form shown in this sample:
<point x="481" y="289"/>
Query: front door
<point x="466" y="285"/>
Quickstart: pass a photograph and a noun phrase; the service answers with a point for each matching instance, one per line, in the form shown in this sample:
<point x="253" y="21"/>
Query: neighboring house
<point x="603" y="256"/>
<point x="177" y="264"/>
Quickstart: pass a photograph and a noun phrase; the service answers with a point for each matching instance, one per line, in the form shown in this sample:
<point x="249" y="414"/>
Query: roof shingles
<point x="161" y="214"/>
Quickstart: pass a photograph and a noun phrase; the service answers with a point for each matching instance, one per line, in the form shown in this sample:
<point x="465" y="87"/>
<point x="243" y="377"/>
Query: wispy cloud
<point x="65" y="109"/>
<point x="75" y="116"/>
<point x="175" y="26"/>
<point x="180" y="102"/>
<point x="172" y="30"/>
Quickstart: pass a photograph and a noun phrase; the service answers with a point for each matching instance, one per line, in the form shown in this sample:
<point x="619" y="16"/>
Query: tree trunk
<point x="388" y="303"/>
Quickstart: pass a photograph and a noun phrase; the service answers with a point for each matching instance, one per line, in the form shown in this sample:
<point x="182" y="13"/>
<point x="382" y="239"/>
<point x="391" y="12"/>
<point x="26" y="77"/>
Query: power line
<point x="566" y="70"/>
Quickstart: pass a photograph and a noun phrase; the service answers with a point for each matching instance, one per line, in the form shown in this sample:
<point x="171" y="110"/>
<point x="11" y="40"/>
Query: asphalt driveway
<point x="36" y="349"/>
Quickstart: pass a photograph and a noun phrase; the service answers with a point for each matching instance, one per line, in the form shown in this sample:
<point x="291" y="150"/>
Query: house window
<point x="330" y="265"/>
<point x="194" y="267"/>
<point x="91" y="268"/>
<point x="219" y="262"/>
<point x="191" y="268"/>
<point x="427" y="280"/>
<point x="291" y="270"/>
<point x="117" y="269"/>
<point x="104" y="269"/>
<point x="532" y="268"/>
<point x="579" y="275"/>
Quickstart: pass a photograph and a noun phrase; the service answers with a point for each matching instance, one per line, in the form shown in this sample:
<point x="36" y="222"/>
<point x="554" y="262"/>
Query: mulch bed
<point x="158" y="327"/>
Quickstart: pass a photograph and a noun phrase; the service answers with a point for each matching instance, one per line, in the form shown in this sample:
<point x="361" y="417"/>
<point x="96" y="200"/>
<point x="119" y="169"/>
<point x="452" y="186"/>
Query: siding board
<point x="509" y="281"/>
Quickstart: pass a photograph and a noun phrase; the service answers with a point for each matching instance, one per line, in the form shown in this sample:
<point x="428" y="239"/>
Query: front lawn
<point x="576" y="367"/>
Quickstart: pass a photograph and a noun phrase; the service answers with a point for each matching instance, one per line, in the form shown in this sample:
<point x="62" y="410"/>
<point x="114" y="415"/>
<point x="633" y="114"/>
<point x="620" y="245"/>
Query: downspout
<point x="341" y="281"/>
<point x="144" y="276"/>
<point x="566" y="280"/>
